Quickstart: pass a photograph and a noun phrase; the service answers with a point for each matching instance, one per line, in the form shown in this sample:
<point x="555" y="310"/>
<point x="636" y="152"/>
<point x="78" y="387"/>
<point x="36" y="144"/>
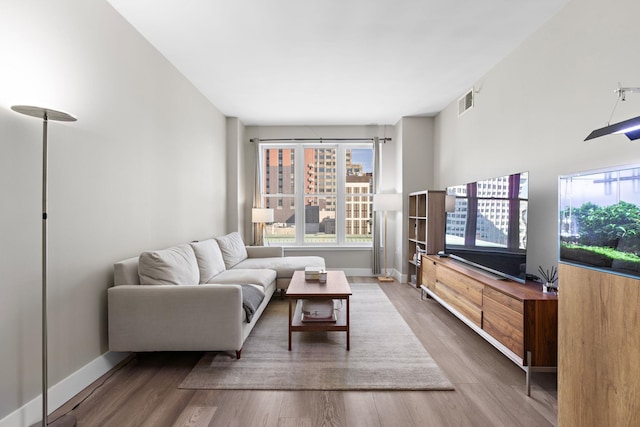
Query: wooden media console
<point x="517" y="318"/>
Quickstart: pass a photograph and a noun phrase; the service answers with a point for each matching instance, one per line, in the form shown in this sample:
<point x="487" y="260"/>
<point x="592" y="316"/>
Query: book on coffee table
<point x="315" y="274"/>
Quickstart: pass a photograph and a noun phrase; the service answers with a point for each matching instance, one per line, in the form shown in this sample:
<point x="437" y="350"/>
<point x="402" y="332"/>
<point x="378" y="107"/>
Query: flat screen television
<point x="600" y="219"/>
<point x="487" y="225"/>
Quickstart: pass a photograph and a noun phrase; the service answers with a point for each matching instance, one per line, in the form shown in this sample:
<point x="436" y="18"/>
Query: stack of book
<point x="315" y="274"/>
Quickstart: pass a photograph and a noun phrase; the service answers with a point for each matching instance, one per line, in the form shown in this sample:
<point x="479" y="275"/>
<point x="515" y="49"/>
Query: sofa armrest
<point x="265" y="251"/>
<point x="175" y="318"/>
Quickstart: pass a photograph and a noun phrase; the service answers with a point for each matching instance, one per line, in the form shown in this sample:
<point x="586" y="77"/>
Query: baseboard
<point x="63" y="391"/>
<point x="367" y="272"/>
<point x="355" y="271"/>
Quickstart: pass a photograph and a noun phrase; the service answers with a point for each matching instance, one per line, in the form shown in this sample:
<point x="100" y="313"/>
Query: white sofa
<point x="200" y="296"/>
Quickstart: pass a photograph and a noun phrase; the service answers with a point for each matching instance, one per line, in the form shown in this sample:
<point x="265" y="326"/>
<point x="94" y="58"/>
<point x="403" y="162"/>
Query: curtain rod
<point x="375" y="139"/>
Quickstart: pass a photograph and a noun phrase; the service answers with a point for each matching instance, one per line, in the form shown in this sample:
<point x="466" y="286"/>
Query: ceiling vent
<point x="465" y="103"/>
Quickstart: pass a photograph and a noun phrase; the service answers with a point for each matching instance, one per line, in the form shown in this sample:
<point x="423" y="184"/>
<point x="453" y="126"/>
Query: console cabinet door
<point x="503" y="318"/>
<point x="428" y="272"/>
<point x="461" y="292"/>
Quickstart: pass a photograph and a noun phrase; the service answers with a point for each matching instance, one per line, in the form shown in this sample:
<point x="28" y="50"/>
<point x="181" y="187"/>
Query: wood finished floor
<point x="490" y="389"/>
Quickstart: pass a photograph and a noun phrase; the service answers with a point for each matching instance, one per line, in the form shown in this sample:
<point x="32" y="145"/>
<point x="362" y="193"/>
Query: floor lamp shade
<point x="46" y="114"/>
<point x="386" y="202"/>
<point x="261" y="216"/>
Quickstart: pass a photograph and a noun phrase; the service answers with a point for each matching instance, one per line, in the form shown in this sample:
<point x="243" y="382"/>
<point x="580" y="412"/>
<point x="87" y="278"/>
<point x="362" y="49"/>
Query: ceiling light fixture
<point x="631" y="127"/>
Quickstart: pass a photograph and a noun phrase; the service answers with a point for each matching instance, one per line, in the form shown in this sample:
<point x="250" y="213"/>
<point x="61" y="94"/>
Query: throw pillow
<point x="172" y="266"/>
<point x="210" y="261"/>
<point x="232" y="248"/>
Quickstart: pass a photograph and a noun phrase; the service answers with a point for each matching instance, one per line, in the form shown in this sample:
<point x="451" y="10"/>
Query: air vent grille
<point x="465" y="103"/>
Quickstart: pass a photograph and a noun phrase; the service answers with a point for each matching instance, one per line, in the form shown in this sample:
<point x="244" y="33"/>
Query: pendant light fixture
<point x="631" y="127"/>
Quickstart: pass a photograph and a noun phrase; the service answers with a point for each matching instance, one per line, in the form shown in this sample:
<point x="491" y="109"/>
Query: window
<point x="324" y="193"/>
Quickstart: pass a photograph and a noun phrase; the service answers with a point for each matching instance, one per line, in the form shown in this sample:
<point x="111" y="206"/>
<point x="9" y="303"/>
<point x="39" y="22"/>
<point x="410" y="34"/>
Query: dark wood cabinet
<point x="426" y="223"/>
<point x="517" y="318"/>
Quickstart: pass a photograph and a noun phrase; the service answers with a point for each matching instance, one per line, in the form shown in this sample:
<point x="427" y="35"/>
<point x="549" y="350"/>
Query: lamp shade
<point x="631" y="128"/>
<point x="261" y="215"/>
<point x="387" y="202"/>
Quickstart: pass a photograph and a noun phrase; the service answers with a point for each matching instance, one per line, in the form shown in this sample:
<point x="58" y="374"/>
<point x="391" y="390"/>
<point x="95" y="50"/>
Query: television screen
<point x="487" y="227"/>
<point x="600" y="219"/>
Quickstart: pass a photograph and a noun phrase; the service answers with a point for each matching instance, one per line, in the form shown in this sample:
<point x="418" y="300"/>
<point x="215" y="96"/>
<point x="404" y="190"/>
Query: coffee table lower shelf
<point x="341" y="324"/>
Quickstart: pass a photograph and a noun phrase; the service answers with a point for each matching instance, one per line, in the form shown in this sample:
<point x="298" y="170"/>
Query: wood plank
<point x="358" y="411"/>
<point x="541" y="331"/>
<point x="506" y="300"/>
<point x="460" y="302"/>
<point x="470" y="288"/>
<point x="195" y="416"/>
<point x="320" y="407"/>
<point x="436" y="221"/>
<point x="599" y="348"/>
<point x="505" y="325"/>
<point x="428" y="273"/>
<point x="246" y="408"/>
<point x="145" y="390"/>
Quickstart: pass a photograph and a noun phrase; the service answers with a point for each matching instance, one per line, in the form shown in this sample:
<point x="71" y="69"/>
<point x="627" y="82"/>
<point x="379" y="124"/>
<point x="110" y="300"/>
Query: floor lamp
<point x="386" y="203"/>
<point x="261" y="216"/>
<point x="46" y="114"/>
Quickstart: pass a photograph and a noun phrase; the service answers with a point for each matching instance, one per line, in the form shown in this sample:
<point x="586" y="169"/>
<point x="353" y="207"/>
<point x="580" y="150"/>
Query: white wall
<point x="415" y="159"/>
<point x="535" y="108"/>
<point x="239" y="173"/>
<point x="142" y="168"/>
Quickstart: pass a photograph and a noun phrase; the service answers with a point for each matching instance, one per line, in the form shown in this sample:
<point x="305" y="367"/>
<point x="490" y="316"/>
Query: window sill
<point x="327" y="248"/>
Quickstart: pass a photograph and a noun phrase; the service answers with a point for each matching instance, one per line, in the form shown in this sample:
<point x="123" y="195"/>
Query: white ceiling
<point x="334" y="62"/>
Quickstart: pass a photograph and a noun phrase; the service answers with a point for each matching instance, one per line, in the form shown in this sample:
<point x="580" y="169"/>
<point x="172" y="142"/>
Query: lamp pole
<point x="46" y="114"/>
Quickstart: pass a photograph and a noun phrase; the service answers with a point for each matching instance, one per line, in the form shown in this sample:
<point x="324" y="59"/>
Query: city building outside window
<point x="322" y="193"/>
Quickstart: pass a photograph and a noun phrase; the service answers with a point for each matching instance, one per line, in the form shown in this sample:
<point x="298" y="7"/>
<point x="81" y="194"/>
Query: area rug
<point x="384" y="355"/>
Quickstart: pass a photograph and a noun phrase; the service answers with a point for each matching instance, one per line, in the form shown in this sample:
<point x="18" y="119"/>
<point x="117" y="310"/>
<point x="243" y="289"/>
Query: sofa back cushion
<point x="125" y="272"/>
<point x="172" y="266"/>
<point x="209" y="257"/>
<point x="232" y="248"/>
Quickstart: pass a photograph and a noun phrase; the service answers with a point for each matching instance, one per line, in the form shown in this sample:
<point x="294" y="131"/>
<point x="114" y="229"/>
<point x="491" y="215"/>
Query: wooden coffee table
<point x="336" y="287"/>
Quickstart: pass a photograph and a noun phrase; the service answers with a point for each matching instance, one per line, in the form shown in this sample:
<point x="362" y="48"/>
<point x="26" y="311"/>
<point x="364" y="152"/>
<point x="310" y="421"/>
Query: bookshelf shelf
<point x="426" y="223"/>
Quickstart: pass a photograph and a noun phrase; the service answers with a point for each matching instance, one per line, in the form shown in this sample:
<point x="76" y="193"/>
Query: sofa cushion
<point x="173" y="266"/>
<point x="232" y="248"/>
<point x="240" y="276"/>
<point x="284" y="266"/>
<point x="209" y="257"/>
<point x="125" y="272"/>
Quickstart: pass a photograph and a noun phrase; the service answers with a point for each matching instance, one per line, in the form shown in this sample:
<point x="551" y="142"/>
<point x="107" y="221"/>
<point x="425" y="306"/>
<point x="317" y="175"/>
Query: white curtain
<point x="375" y="229"/>
<point x="257" y="199"/>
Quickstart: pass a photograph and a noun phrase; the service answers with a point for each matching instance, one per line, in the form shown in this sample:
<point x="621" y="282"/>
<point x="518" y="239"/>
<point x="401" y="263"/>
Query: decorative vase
<point x="548" y="287"/>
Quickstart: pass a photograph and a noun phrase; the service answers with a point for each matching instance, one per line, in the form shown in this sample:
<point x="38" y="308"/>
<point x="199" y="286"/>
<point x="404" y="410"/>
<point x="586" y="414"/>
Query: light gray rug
<point x="384" y="355"/>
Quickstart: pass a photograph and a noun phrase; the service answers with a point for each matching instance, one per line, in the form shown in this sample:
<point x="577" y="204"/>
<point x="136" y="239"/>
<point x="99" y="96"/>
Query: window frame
<point x="300" y="195"/>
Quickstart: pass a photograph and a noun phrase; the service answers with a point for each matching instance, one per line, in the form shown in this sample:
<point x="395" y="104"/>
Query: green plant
<point x="549" y="276"/>
<point x="606" y="251"/>
<point x="614" y="226"/>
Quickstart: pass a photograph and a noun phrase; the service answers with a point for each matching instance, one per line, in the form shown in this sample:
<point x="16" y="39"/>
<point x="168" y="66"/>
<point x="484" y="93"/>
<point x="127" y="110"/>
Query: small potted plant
<point x="550" y="278"/>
